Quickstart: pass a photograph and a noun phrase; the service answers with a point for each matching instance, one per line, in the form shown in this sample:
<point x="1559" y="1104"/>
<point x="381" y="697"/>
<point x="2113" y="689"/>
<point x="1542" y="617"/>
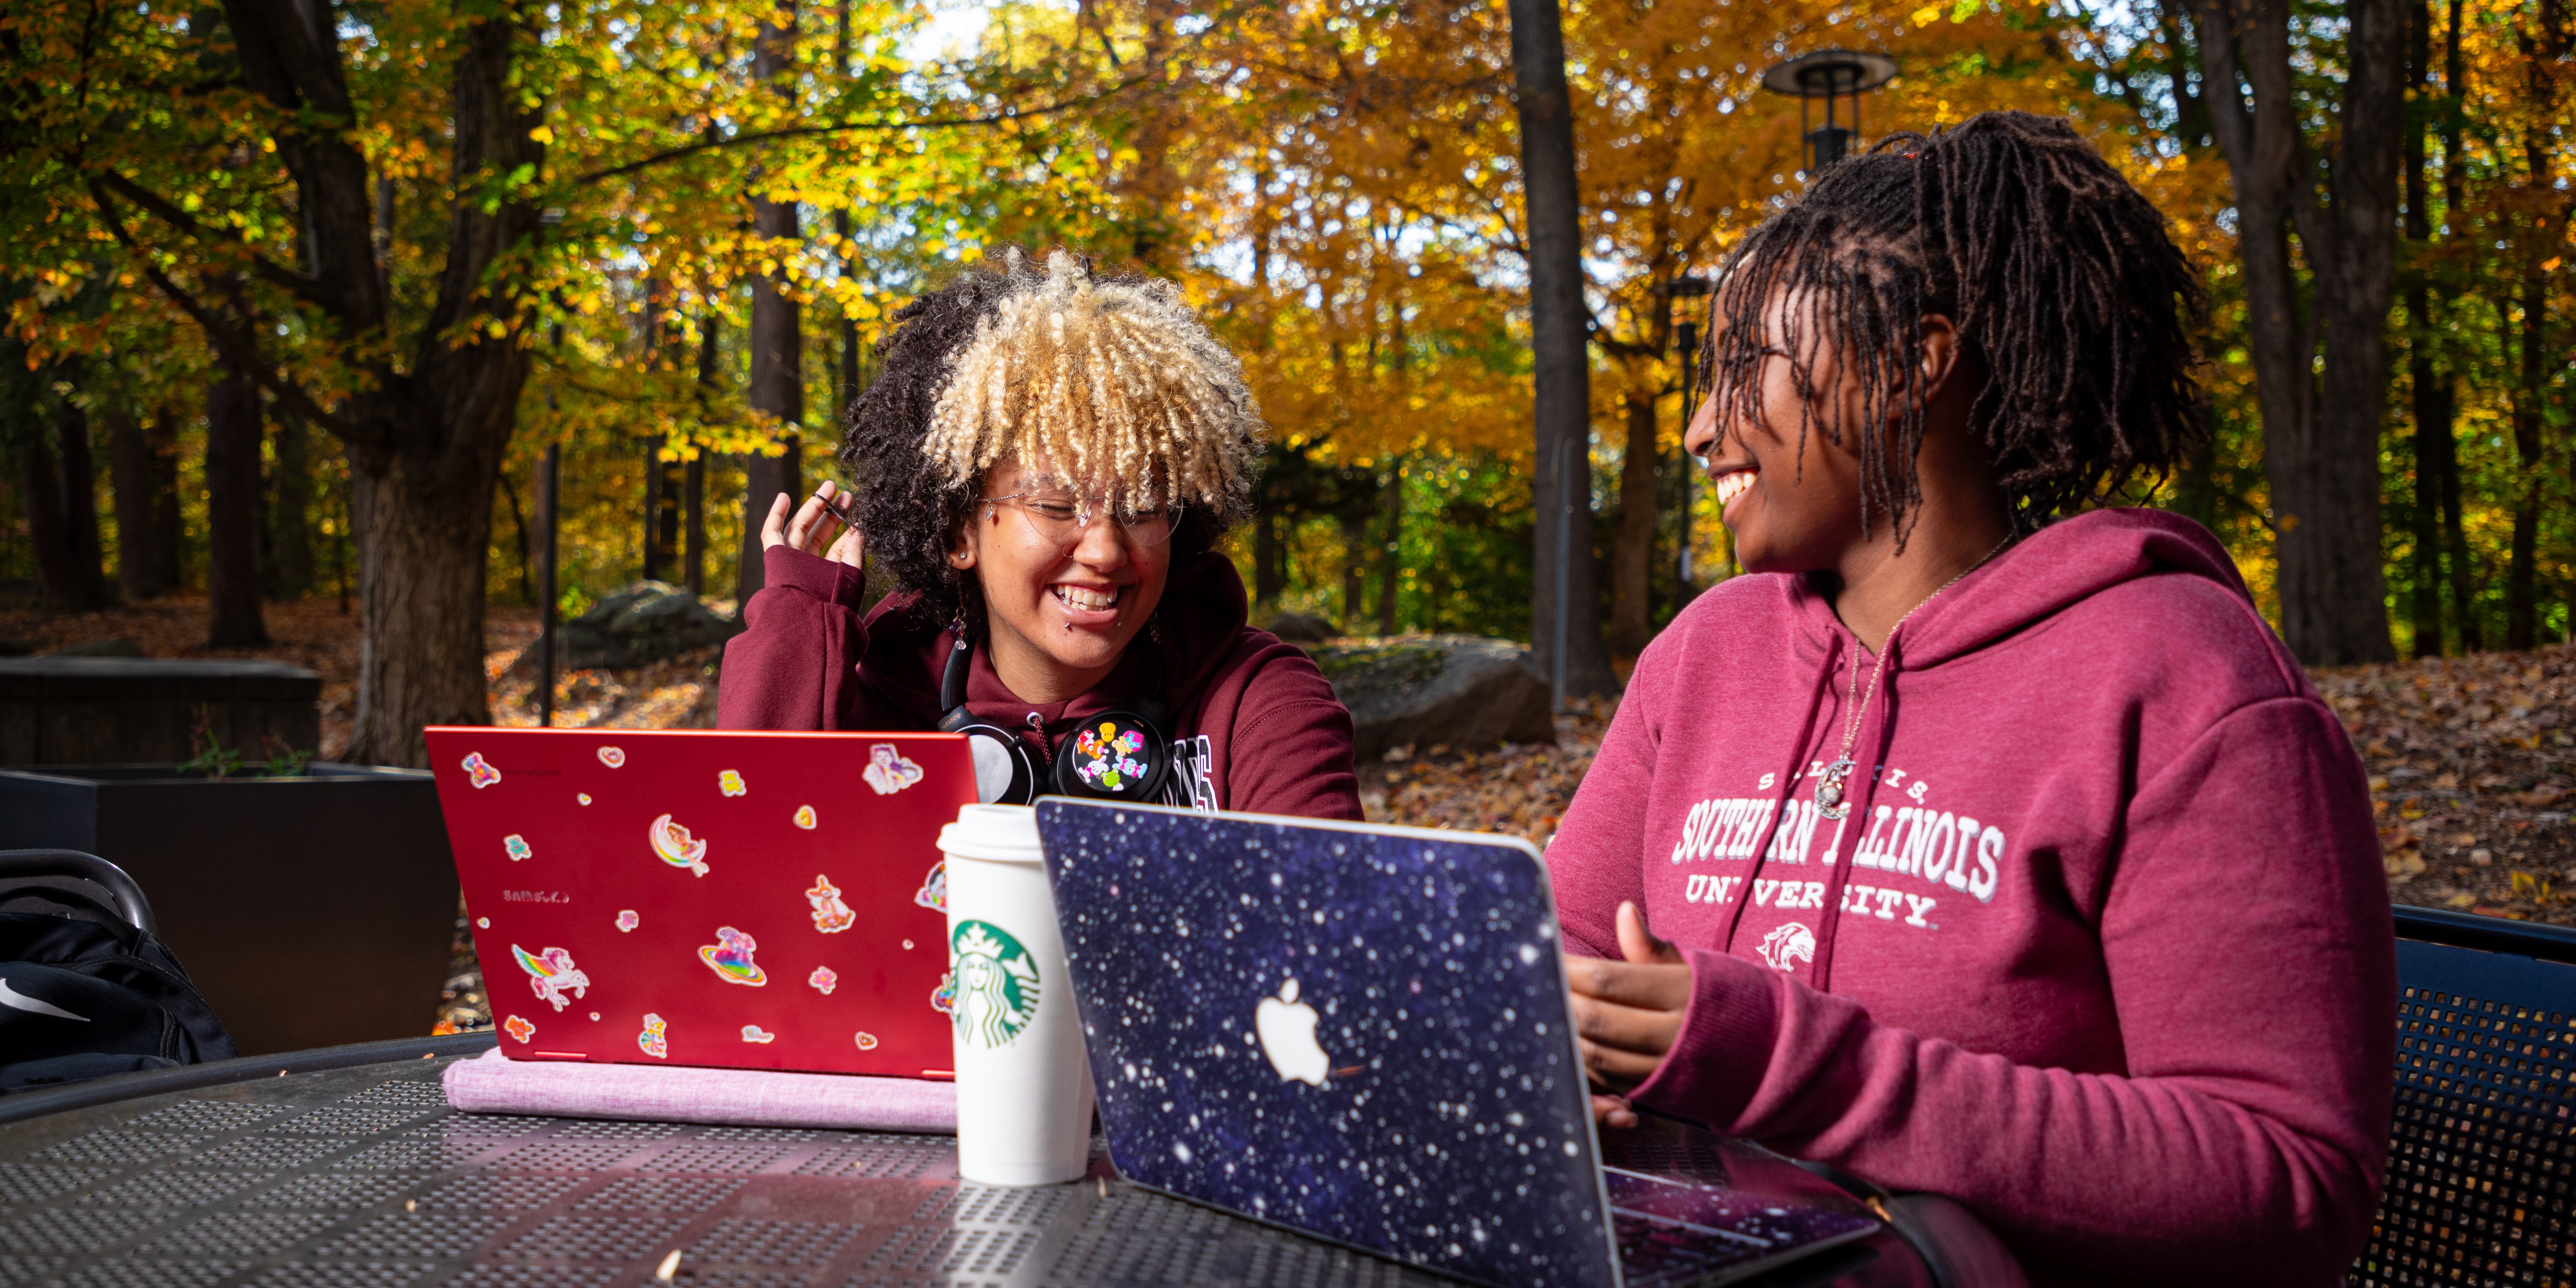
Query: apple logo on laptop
<point x="1286" y="1028"/>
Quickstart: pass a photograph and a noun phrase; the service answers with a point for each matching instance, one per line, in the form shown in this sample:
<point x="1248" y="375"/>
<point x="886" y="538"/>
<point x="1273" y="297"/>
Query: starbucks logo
<point x="997" y="984"/>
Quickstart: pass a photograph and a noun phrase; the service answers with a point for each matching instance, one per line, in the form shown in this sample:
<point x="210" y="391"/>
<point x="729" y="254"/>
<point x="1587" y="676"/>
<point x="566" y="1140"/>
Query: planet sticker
<point x="730" y="783"/>
<point x="677" y="847"/>
<point x="612" y="757"/>
<point x="754" y="1033"/>
<point x="517" y="1026"/>
<point x="730" y="958"/>
<point x="805" y="817"/>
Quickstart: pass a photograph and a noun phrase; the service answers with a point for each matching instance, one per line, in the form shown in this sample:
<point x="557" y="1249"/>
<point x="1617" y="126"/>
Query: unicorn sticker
<point x="888" y="770"/>
<point x="550" y="973"/>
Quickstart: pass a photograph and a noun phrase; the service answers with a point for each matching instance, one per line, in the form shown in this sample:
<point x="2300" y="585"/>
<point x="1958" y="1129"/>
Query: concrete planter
<point x="310" y="911"/>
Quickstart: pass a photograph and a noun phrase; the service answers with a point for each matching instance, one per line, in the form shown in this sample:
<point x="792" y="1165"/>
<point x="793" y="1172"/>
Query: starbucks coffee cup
<point x="1023" y="1087"/>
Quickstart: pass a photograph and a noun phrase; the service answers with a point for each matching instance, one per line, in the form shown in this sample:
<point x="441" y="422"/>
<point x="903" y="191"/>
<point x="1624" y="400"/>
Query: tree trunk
<point x="1632" y="551"/>
<point x="693" y="486"/>
<point x="777" y="343"/>
<point x="661" y="511"/>
<point x="1354" y="565"/>
<point x="2431" y="396"/>
<point x="2522" y="611"/>
<point x="1269" y="560"/>
<point x="421" y="581"/>
<point x="162" y="438"/>
<point x="232" y="514"/>
<point x="1562" y="460"/>
<point x="2321" y="420"/>
<point x="131" y="479"/>
<point x="64" y="583"/>
<point x="291" y="510"/>
<point x="1390" y="564"/>
<point x="2455" y="168"/>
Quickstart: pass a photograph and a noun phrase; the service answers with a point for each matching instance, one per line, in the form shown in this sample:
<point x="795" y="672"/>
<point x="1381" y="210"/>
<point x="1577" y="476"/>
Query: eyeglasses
<point x="1060" y="517"/>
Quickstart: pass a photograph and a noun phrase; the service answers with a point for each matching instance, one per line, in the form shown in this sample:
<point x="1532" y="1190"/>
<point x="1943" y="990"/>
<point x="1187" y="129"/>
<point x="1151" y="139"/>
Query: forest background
<point x="299" y="296"/>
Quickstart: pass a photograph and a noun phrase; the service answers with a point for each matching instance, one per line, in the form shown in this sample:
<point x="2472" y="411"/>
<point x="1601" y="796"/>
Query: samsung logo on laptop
<point x="535" y="896"/>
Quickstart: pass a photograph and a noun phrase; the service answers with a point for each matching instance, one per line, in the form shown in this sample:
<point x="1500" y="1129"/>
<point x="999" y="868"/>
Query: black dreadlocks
<point x="2058" y="274"/>
<point x="907" y="505"/>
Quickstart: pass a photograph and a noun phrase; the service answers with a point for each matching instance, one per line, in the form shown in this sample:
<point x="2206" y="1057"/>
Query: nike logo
<point x="13" y="998"/>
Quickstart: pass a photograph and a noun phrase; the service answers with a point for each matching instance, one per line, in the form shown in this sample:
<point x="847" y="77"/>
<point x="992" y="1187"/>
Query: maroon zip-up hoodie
<point x="1254" y="725"/>
<point x="2102" y="949"/>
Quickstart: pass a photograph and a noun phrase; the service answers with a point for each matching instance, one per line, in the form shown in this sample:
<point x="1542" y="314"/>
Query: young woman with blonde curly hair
<point x="1045" y="465"/>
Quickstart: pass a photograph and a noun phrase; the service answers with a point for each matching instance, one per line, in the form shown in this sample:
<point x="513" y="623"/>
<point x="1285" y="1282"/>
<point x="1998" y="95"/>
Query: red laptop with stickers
<point x="735" y="899"/>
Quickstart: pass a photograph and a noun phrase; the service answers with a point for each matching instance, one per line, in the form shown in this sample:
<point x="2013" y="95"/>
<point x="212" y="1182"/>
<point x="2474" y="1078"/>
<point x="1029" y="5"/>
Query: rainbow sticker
<point x="654" y="1040"/>
<point x="518" y="1027"/>
<point x="676" y="847"/>
<point x="730" y="958"/>
<point x="479" y="771"/>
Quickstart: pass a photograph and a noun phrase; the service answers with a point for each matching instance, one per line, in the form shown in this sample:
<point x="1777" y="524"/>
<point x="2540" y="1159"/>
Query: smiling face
<point x="1792" y="500"/>
<point x="1058" y="616"/>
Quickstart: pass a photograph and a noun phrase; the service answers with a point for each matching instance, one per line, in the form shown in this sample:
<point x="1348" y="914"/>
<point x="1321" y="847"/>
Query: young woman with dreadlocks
<point x="1992" y="846"/>
<point x="1045" y="464"/>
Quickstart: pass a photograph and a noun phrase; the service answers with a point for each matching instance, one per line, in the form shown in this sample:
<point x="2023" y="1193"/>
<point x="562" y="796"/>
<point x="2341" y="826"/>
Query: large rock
<point x="1465" y="691"/>
<point x="644" y="622"/>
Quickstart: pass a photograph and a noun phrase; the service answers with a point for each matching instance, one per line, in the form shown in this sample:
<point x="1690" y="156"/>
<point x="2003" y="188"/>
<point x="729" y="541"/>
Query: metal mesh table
<point x="363" y="1178"/>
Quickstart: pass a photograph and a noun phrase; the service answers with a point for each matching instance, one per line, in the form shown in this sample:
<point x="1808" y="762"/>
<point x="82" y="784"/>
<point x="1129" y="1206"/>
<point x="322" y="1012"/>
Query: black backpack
<point x="86" y="995"/>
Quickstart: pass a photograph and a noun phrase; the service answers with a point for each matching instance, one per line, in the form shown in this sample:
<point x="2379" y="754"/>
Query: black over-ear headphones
<point x="1120" y="754"/>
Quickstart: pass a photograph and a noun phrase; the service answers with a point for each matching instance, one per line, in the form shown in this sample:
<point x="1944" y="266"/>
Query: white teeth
<point x="1733" y="486"/>
<point x="1088" y="601"/>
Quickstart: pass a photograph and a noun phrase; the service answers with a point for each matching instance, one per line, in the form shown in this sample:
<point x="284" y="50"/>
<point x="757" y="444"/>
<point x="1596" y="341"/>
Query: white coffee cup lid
<point x="1003" y="833"/>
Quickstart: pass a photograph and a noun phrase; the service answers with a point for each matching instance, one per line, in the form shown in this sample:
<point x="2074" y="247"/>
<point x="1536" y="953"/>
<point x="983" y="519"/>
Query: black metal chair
<point x="26" y="875"/>
<point x="2479" y="1153"/>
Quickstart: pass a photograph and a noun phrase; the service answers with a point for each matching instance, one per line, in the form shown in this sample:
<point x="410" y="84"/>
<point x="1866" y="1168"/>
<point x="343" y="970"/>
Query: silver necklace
<point x="1830" y="802"/>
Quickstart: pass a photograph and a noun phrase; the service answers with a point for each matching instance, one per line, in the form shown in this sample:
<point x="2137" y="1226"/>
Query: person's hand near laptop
<point x="1627" y="1014"/>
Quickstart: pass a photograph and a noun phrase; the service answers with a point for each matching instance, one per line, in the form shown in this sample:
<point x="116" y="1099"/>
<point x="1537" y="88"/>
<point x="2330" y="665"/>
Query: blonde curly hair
<point x="1102" y="380"/>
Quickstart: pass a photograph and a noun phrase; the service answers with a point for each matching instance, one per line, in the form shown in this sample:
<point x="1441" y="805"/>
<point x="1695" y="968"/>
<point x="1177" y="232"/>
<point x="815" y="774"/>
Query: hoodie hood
<point x="1203" y="611"/>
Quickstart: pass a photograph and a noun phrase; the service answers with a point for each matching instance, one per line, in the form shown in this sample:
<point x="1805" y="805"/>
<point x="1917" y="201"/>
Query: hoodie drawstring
<point x="1873" y="745"/>
<point x="1743" y="896"/>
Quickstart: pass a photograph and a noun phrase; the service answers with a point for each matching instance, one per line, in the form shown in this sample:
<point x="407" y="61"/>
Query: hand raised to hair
<point x="1627" y="1014"/>
<point x="813" y="525"/>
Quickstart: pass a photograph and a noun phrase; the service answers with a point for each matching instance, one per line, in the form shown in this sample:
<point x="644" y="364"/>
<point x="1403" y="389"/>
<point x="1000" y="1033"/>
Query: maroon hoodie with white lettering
<point x="2101" y="948"/>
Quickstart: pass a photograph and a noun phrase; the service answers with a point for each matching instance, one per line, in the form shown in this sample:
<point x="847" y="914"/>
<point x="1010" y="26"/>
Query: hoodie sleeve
<point x="795" y="667"/>
<point x="1592" y="860"/>
<point x="1290" y="750"/>
<point x="2248" y="945"/>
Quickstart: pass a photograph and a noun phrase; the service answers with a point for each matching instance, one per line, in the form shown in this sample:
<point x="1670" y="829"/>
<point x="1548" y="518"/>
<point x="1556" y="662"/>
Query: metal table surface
<point x="362" y="1177"/>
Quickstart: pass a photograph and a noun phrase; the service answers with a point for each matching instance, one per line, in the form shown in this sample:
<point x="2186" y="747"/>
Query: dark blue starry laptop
<point x="1361" y="1033"/>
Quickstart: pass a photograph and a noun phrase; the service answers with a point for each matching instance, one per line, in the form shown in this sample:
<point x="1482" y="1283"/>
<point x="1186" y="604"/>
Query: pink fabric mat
<point x="495" y="1084"/>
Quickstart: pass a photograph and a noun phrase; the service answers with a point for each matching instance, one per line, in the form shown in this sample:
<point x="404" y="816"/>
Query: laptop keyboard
<point x="1675" y="1232"/>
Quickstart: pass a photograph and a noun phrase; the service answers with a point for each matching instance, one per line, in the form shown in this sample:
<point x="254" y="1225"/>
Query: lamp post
<point x="1836" y="77"/>
<point x="1689" y="287"/>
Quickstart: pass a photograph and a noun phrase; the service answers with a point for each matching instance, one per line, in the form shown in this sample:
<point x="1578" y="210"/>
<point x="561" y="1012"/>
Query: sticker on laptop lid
<point x="655" y="1039"/>
<point x="479" y="771"/>
<point x="517" y="846"/>
<point x="518" y="1027"/>
<point x="889" y="770"/>
<point x="730" y="783"/>
<point x="730" y="958"/>
<point x="613" y="757"/>
<point x="755" y="1033"/>
<point x="583" y="797"/>
<point x="805" y="817"/>
<point x="627" y="920"/>
<point x="933" y="893"/>
<point x="550" y="973"/>
<point x="943" y="999"/>
<point x="824" y="979"/>
<point x="831" y="916"/>
<point x="676" y="847"/>
<point x="867" y="1041"/>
